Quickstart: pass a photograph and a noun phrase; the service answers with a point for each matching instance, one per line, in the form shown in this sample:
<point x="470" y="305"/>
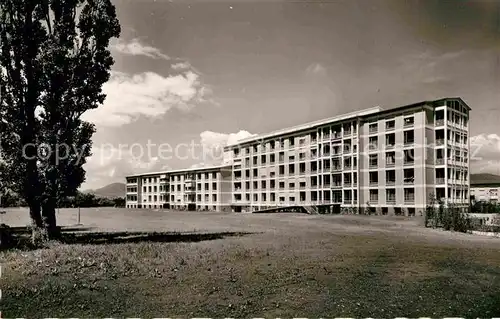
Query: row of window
<point x="348" y="128"/>
<point x="178" y="188"/>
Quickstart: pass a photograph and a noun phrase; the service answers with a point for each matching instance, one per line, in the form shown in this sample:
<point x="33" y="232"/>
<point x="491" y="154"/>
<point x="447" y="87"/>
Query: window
<point x="390" y="195"/>
<point x="409" y="121"/>
<point x="390" y="140"/>
<point x="373" y="161"/>
<point x="390" y="125"/>
<point x="373" y="128"/>
<point x="291" y="185"/>
<point x="214" y="186"/>
<point x="263" y="159"/>
<point x="373" y="178"/>
<point x="390" y="159"/>
<point x="373" y="143"/>
<point x="373" y="195"/>
<point x="409" y="137"/>
<point x="390" y="177"/>
<point x="409" y="175"/>
<point x="409" y="195"/>
<point x="408" y="156"/>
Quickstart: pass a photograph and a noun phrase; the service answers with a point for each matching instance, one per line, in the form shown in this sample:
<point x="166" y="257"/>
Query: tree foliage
<point x="54" y="60"/>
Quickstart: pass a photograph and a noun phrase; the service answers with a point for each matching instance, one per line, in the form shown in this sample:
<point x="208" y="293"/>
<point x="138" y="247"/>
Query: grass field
<point x="277" y="265"/>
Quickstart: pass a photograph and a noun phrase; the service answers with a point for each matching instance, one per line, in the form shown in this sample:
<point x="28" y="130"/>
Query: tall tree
<point x="62" y="48"/>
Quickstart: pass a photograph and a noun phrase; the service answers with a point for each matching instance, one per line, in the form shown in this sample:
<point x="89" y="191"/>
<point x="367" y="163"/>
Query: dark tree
<point x="55" y="59"/>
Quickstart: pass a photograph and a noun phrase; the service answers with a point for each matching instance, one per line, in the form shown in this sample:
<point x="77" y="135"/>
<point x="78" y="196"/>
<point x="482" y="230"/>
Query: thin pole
<point x="78" y="215"/>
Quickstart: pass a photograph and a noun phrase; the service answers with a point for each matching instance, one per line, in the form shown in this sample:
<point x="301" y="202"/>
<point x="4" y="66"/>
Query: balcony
<point x="409" y="200"/>
<point x="409" y="180"/>
<point x="347" y="150"/>
<point x="326" y="137"/>
<point x="336" y="168"/>
<point x="347" y="201"/>
<point x="391" y="201"/>
<point x="373" y="130"/>
<point x="373" y="201"/>
<point x="336" y="185"/>
<point x="390" y="163"/>
<point x="390" y="127"/>
<point x="373" y="184"/>
<point x="373" y="165"/>
<point x="439" y="122"/>
<point x="409" y="162"/>
<point x="440" y="180"/>
<point x="439" y="161"/>
<point x="409" y="124"/>
<point x="439" y="141"/>
<point x="347" y="184"/>
<point x="389" y="145"/>
<point x="347" y="133"/>
<point x="390" y="182"/>
<point x="336" y="136"/>
<point x="409" y="143"/>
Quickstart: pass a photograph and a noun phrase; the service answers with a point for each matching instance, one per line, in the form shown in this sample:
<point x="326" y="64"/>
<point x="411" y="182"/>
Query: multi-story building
<point x="485" y="192"/>
<point x="149" y="190"/>
<point x="207" y="188"/>
<point x="393" y="161"/>
<point x="387" y="160"/>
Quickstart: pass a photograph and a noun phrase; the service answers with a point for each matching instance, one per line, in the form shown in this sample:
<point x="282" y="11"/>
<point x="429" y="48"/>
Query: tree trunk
<point x="49" y="218"/>
<point x="35" y="214"/>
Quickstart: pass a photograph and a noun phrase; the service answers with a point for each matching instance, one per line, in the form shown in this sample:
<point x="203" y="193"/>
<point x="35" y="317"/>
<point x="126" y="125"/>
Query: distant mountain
<point x="484" y="178"/>
<point x="109" y="191"/>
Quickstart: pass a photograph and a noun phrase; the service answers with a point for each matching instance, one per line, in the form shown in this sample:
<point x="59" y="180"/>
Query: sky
<point x="191" y="76"/>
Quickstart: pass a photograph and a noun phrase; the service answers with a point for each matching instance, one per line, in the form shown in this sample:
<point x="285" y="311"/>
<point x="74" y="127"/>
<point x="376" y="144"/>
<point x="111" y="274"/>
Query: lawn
<point x="251" y="265"/>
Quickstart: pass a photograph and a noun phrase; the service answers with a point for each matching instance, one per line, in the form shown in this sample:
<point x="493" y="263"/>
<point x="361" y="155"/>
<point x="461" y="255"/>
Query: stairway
<point x="311" y="210"/>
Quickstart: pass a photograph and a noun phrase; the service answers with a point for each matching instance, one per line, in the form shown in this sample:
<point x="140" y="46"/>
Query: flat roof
<point x="485" y="184"/>
<point x="309" y="125"/>
<point x="184" y="170"/>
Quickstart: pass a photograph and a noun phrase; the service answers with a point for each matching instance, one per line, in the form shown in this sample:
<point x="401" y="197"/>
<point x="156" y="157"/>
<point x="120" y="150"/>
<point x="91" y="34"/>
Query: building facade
<point x="393" y="161"/>
<point x="485" y="193"/>
<point x="205" y="188"/>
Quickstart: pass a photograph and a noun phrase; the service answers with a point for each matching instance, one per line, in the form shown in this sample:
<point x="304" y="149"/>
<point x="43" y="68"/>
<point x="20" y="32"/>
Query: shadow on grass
<point x="83" y="237"/>
<point x="102" y="238"/>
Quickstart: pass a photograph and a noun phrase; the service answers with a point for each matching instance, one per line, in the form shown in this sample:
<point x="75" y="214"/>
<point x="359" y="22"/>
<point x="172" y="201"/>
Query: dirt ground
<point x="272" y="265"/>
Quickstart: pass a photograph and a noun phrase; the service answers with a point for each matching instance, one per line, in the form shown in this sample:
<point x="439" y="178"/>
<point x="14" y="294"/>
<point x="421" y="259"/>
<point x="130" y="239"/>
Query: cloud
<point x="135" y="47"/>
<point x="209" y="138"/>
<point x="147" y="94"/>
<point x="485" y="153"/>
<point x="181" y="66"/>
<point x="316" y="69"/>
<point x="111" y="164"/>
<point x="428" y="67"/>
